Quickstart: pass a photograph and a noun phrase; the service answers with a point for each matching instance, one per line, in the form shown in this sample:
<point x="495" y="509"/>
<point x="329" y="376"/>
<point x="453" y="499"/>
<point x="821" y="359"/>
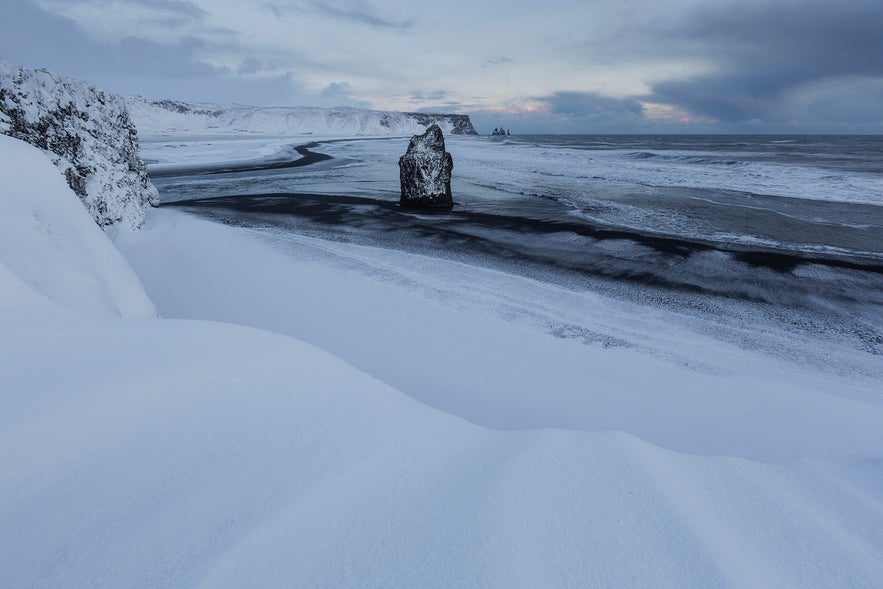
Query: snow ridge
<point x="169" y="117"/>
<point x="88" y="135"/>
<point x="49" y="243"/>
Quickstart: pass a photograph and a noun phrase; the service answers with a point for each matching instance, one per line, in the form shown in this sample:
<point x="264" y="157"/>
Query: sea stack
<point x="425" y="172"/>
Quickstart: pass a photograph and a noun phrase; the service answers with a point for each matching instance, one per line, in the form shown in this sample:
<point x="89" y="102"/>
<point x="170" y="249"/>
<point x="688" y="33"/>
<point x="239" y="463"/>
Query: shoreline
<point x="326" y="209"/>
<point x="307" y="158"/>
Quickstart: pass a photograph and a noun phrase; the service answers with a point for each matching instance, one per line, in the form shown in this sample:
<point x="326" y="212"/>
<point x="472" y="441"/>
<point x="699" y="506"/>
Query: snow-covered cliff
<point x="169" y="117"/>
<point x="88" y="135"/>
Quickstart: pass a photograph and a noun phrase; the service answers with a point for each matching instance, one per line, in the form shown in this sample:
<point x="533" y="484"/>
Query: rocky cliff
<point x="88" y="135"/>
<point x="170" y="117"/>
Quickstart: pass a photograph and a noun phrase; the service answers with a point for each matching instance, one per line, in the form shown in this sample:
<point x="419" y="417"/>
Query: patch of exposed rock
<point x="88" y="135"/>
<point x="425" y="172"/>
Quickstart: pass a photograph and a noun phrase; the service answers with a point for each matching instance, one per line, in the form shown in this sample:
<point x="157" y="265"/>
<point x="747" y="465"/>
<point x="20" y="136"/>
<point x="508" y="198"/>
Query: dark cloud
<point x="499" y="60"/>
<point x="417" y="96"/>
<point x="30" y="36"/>
<point x="767" y="57"/>
<point x="181" y="8"/>
<point x="339" y="94"/>
<point x="569" y="112"/>
<point x="589" y="105"/>
<point x="849" y="102"/>
<point x="360" y="13"/>
<point x="250" y="66"/>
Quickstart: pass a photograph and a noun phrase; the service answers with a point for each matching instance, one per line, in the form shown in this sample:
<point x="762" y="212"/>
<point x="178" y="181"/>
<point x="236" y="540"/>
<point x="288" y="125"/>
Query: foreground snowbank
<point x="241" y="458"/>
<point x="48" y="240"/>
<point x="179" y="453"/>
<point x="512" y="353"/>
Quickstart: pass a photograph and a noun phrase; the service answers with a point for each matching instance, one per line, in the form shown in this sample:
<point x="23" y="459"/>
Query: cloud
<point x="418" y="96"/>
<point x="177" y="7"/>
<point x="339" y="94"/>
<point x="31" y="36"/>
<point x="499" y="60"/>
<point x="729" y="65"/>
<point x="360" y="13"/>
<point x="250" y="66"/>
<point x="771" y="59"/>
<point x="114" y="19"/>
<point x="590" y="105"/>
<point x="567" y="112"/>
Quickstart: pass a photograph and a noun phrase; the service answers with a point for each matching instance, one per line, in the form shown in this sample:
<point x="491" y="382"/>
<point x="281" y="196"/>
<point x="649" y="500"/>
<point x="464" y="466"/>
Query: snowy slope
<point x="48" y="241"/>
<point x="236" y="457"/>
<point x="169" y="117"/>
<point x="88" y="135"/>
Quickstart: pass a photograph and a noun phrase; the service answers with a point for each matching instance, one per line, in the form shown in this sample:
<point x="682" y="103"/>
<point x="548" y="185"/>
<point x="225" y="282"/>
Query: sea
<point x="792" y="225"/>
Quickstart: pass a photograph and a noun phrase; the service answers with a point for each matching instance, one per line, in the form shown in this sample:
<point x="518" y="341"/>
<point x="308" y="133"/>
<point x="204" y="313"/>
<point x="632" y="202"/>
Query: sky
<point x="534" y="66"/>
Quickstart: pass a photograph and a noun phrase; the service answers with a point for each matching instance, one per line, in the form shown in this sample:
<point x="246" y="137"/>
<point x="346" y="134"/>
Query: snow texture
<point x="168" y="117"/>
<point x="48" y="242"/>
<point x="88" y="135"/>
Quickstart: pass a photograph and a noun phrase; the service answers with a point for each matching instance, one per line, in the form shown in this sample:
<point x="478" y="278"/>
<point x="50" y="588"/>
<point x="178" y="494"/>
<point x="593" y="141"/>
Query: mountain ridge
<point x="173" y="117"/>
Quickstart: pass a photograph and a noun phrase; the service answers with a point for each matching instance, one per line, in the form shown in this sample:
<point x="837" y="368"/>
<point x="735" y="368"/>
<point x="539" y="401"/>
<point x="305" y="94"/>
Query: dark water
<point x="844" y="153"/>
<point x="810" y="194"/>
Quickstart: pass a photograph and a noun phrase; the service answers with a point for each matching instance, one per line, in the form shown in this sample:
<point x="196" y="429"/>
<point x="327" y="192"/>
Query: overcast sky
<point x="577" y="66"/>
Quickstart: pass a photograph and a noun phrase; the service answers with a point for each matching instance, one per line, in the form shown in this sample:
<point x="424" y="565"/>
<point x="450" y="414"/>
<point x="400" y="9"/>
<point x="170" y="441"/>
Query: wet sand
<point x="339" y="210"/>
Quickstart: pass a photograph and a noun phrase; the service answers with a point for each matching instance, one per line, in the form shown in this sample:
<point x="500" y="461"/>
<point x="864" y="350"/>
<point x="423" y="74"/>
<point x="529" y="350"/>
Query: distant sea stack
<point x="88" y="135"/>
<point x="425" y="172"/>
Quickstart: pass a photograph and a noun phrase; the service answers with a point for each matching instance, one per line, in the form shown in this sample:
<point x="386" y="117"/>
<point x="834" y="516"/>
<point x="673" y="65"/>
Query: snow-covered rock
<point x="49" y="242"/>
<point x="169" y="117"/>
<point x="425" y="171"/>
<point x="88" y="135"/>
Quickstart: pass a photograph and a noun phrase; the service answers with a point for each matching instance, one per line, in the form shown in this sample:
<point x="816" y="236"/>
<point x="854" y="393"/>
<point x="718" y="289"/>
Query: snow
<point x="191" y="451"/>
<point x="512" y="353"/>
<point x="164" y="118"/>
<point x="88" y="135"/>
<point x="48" y="240"/>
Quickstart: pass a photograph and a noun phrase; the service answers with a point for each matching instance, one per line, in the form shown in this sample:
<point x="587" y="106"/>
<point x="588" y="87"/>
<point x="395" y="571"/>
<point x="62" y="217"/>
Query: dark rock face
<point x="425" y="172"/>
<point x="460" y="124"/>
<point x="88" y="135"/>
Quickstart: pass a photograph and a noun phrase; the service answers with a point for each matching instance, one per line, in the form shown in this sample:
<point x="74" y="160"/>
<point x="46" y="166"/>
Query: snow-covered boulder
<point x="48" y="241"/>
<point x="425" y="171"/>
<point x="88" y="135"/>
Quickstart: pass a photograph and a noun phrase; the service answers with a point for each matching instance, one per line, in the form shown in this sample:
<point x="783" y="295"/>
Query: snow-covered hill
<point x="48" y="242"/>
<point x="168" y="117"/>
<point x="88" y="135"/>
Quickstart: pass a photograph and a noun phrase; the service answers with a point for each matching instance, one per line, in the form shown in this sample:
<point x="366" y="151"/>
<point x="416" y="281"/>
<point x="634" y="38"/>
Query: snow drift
<point x="168" y="117"/>
<point x="49" y="243"/>
<point x="88" y="135"/>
